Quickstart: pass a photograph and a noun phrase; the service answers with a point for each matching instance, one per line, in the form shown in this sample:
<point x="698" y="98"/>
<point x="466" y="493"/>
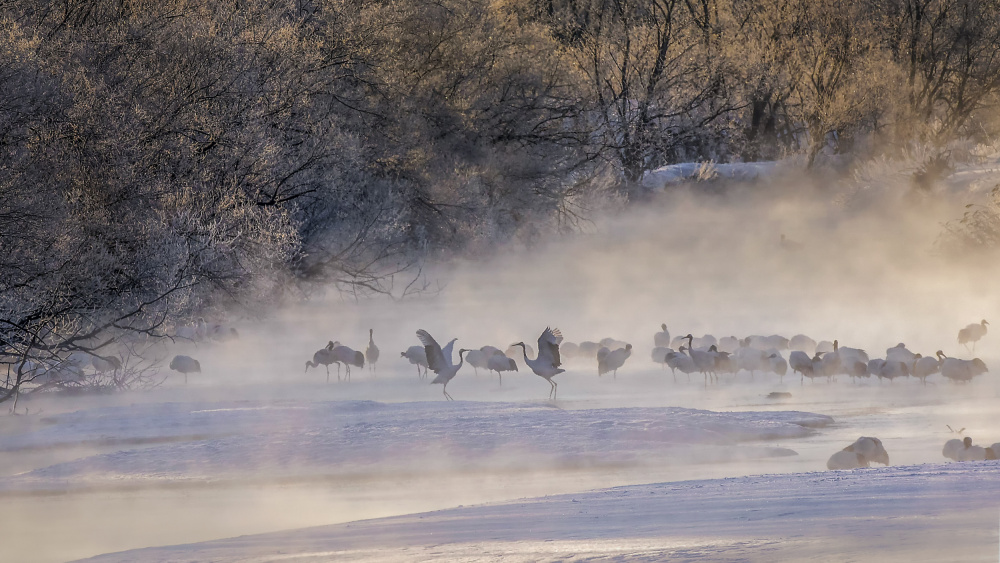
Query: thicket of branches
<point x="163" y="159"/>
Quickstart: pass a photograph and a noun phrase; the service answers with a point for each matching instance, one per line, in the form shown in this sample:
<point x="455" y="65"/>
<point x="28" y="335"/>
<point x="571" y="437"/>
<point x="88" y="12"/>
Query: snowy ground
<point x="916" y="513"/>
<point x="214" y="460"/>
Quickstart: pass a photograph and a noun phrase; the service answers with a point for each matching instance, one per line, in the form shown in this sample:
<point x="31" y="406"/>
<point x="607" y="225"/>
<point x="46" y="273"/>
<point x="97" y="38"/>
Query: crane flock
<point x="706" y="355"/>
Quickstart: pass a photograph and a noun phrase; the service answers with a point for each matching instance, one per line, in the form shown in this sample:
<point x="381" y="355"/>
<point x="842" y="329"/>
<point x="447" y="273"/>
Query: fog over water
<point x="860" y="266"/>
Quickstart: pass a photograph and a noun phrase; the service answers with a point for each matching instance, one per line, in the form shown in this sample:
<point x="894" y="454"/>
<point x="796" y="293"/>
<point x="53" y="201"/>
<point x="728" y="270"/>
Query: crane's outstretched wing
<point x="548" y="346"/>
<point x="446" y="351"/>
<point x="435" y="358"/>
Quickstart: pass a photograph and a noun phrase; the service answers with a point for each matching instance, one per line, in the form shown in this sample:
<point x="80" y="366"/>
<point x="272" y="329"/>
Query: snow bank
<point x="927" y="513"/>
<point x="183" y="442"/>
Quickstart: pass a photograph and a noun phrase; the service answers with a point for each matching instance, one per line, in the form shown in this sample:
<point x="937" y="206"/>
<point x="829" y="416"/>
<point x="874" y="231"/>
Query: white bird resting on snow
<point x="861" y="453"/>
<point x="963" y="450"/>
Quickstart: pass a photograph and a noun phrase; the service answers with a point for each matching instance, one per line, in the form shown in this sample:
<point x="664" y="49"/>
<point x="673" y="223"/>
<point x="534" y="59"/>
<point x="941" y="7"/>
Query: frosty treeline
<point x="164" y="159"/>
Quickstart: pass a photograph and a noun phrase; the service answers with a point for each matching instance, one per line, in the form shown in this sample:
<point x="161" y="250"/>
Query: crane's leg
<point x="328" y="373"/>
<point x="500" y="375"/>
<point x="338" y="371"/>
<point x="445" y="390"/>
<point x="185" y="378"/>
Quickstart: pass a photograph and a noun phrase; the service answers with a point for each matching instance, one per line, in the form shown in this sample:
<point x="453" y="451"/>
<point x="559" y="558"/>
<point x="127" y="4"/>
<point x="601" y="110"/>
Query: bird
<point x="899" y="353"/>
<point x="323" y="357"/>
<point x="662" y="338"/>
<point x="588" y="349"/>
<point x="924" y="366"/>
<point x="960" y="370"/>
<point x="417" y="357"/>
<point x="953" y="431"/>
<point x="611" y="360"/>
<point x="965" y="451"/>
<point x="104" y="364"/>
<point x="499" y="362"/>
<point x="861" y="453"/>
<point x="824" y="347"/>
<point x="680" y="361"/>
<point x="185" y="365"/>
<point x="478" y="359"/>
<point x="729" y="344"/>
<point x="801" y="363"/>
<point x="802" y="343"/>
<point x="778" y="365"/>
<point x="546" y="364"/>
<point x="972" y="333"/>
<point x="887" y="369"/>
<point x="347" y="356"/>
<point x="659" y="355"/>
<point x="612" y="343"/>
<point x="569" y="349"/>
<point x="751" y="359"/>
<point x="511" y="351"/>
<point x="704" y="360"/>
<point x="439" y="360"/>
<point x="371" y="352"/>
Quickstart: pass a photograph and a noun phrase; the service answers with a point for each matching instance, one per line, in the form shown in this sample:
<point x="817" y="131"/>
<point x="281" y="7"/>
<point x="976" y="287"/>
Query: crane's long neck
<point x="461" y="360"/>
<point x="524" y="350"/>
<point x="690" y="341"/>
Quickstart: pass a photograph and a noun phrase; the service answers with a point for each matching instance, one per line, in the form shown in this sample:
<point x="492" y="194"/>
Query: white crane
<point x="439" y="360"/>
<point x="347" y="356"/>
<point x="659" y="355"/>
<point x="104" y="364"/>
<point x="960" y="370"/>
<point x="511" y="351"/>
<point x="778" y="365"/>
<point x="888" y="369"/>
<point x="662" y="338"/>
<point x="972" y="333"/>
<point x="802" y="343"/>
<point x="323" y="357"/>
<point x="729" y="344"/>
<point x="546" y="364"/>
<point x="611" y="360"/>
<point x="417" y="357"/>
<point x="612" y="343"/>
<point x="899" y="353"/>
<point x="680" y="361"/>
<point x="478" y="359"/>
<point x="588" y="349"/>
<point x="704" y="360"/>
<point x="371" y="352"/>
<point x="569" y="349"/>
<point x="185" y="365"/>
<point x="499" y="362"/>
<point x="924" y="366"/>
<point x="801" y="363"/>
